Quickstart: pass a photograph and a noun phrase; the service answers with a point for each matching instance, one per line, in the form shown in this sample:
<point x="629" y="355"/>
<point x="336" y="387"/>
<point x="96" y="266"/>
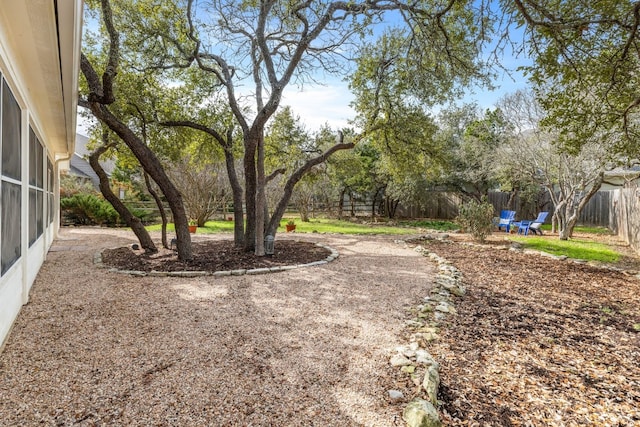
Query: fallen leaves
<point x="539" y="341"/>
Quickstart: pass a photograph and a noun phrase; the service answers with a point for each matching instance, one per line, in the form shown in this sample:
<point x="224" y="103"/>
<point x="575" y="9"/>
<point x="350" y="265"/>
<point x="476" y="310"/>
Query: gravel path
<point x="299" y="348"/>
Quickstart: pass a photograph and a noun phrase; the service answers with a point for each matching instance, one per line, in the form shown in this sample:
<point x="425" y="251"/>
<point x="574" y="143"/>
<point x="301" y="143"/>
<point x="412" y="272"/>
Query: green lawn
<point x="324" y="225"/>
<point x="574" y="248"/>
<point x="583" y="229"/>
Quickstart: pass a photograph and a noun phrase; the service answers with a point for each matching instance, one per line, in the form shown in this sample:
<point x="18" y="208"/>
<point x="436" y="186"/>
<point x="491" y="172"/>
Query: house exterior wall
<point x="39" y="63"/>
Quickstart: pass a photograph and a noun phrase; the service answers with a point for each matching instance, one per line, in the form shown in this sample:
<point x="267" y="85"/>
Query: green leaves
<point x="587" y="66"/>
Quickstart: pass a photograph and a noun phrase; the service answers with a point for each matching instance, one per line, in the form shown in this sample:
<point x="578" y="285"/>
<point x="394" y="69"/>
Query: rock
<point x="413" y="323"/>
<point x="443" y="307"/>
<point x="395" y="395"/>
<point x="429" y="337"/>
<point x="135" y="246"/>
<point x="431" y="383"/>
<point x="439" y="317"/>
<point x="452" y="287"/>
<point x="434" y="256"/>
<point x="420" y="413"/>
<point x="221" y="273"/>
<point x="443" y="279"/>
<point x="259" y="271"/>
<point x="409" y="369"/>
<point x="416" y="378"/>
<point x="428" y="237"/>
<point x="516" y="245"/>
<point x="444" y="236"/>
<point x="448" y="269"/>
<point x="423" y="357"/>
<point x="399" y="360"/>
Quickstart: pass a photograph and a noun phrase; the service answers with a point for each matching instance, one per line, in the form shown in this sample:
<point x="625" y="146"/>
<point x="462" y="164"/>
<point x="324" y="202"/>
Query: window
<point x="10" y="135"/>
<point x="36" y="188"/>
<point x="50" y="190"/>
<point x="10" y="176"/>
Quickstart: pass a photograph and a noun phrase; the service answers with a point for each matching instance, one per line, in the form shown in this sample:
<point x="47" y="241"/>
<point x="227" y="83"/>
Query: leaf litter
<point x="538" y="341"/>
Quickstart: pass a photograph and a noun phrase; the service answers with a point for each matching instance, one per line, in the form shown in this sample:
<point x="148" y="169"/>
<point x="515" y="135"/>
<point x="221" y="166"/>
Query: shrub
<point x="88" y="209"/>
<point x="475" y="218"/>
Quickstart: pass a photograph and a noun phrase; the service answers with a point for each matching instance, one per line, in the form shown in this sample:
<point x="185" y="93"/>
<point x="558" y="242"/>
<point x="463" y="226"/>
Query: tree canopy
<point x="585" y="62"/>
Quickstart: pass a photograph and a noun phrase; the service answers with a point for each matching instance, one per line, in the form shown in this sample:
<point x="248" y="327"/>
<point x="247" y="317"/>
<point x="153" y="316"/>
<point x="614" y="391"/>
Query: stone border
<point x="97" y="260"/>
<point x="414" y="359"/>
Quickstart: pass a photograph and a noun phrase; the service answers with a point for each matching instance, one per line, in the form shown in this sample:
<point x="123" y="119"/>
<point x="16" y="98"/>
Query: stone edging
<point x="97" y="260"/>
<point x="414" y="359"/>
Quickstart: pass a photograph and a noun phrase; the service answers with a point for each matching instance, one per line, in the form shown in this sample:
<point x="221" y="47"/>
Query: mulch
<point x="214" y="255"/>
<point x="539" y="341"/>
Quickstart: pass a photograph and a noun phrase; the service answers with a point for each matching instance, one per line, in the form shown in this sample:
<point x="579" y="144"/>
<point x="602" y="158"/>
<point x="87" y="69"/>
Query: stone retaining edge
<point x="97" y="260"/>
<point x="414" y="359"/>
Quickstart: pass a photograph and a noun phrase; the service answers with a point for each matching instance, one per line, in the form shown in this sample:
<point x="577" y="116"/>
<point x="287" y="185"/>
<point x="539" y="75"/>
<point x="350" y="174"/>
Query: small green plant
<point x="607" y="310"/>
<point x="636" y="327"/>
<point x="291" y="222"/>
<point x="475" y="218"/>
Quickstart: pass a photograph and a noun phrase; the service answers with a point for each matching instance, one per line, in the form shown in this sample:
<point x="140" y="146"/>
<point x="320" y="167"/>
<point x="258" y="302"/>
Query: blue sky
<point x="330" y="103"/>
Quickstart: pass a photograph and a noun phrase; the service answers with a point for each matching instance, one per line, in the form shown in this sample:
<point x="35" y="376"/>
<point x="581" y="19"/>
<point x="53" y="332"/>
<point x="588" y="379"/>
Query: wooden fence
<point x="624" y="218"/>
<point x="444" y="205"/>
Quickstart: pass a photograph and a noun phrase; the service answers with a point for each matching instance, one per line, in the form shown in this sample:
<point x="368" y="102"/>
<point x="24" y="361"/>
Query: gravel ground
<point x="303" y="347"/>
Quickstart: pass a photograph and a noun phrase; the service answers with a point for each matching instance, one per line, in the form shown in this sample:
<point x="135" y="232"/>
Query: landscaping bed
<point x="539" y="341"/>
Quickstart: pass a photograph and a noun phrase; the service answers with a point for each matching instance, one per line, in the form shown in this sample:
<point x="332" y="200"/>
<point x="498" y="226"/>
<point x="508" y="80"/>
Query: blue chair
<point x="537" y="223"/>
<point x="523" y="227"/>
<point x="506" y="219"/>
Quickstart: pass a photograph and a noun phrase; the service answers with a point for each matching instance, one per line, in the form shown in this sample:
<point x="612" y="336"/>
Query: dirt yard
<point x="535" y="341"/>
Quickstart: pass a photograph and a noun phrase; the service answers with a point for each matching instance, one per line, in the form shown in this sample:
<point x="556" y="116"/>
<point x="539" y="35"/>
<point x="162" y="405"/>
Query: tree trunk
<point x="341" y="202"/>
<point x="261" y="200"/>
<point x="152" y="166"/>
<point x="236" y="189"/>
<point x="392" y="206"/>
<point x="352" y="202"/>
<point x="304" y="211"/>
<point x="132" y="221"/>
<point x="163" y="213"/>
<point x="373" y="202"/>
<point x="512" y="199"/>
<point x="150" y="163"/>
<point x="250" y="179"/>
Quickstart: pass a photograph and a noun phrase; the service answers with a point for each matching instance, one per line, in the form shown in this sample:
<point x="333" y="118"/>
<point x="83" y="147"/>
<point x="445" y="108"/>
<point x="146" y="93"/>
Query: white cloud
<point x="319" y="105"/>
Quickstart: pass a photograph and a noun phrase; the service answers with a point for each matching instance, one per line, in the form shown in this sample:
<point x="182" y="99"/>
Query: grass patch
<point x="578" y="249"/>
<point x="324" y="225"/>
<point x="209" y="227"/>
<point x="583" y="229"/>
